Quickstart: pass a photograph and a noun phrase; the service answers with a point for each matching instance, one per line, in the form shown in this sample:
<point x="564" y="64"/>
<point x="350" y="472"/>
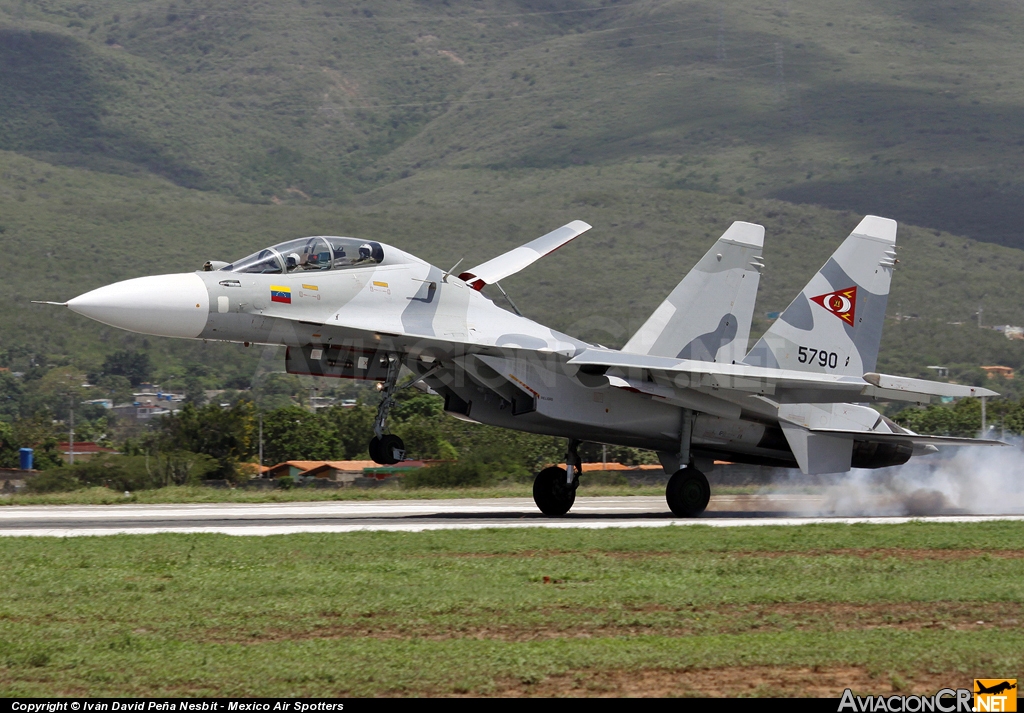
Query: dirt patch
<point x="888" y="553"/>
<point x="653" y="620"/>
<point x="452" y="56"/>
<point x="864" y="553"/>
<point x="760" y="681"/>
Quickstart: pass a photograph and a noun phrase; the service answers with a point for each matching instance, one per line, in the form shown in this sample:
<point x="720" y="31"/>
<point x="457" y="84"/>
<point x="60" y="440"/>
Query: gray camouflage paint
<point x="864" y="261"/>
<point x="493" y="363"/>
<point x="707" y="316"/>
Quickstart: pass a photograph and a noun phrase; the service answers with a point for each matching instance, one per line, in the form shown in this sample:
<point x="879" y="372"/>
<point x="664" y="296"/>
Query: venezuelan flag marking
<point x="281" y="293"/>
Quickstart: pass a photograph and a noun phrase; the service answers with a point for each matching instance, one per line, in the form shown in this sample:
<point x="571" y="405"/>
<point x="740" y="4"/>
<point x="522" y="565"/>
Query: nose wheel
<point x="387" y="450"/>
<point x="688" y="492"/>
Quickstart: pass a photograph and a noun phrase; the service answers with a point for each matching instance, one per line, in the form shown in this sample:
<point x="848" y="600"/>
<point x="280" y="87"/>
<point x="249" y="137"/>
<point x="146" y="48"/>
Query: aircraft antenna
<point x="505" y="295"/>
<point x="444" y="278"/>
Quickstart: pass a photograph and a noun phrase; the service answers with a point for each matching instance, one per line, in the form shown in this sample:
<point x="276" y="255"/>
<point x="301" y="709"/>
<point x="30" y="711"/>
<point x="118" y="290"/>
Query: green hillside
<point x="68" y="230"/>
<point x="902" y="108"/>
<point x="142" y="137"/>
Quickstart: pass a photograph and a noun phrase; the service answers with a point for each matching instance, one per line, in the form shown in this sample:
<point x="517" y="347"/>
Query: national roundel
<point x="841" y="303"/>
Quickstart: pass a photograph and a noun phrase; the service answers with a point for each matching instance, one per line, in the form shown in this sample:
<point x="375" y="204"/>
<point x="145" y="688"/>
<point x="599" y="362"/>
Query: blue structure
<point x="25" y="457"/>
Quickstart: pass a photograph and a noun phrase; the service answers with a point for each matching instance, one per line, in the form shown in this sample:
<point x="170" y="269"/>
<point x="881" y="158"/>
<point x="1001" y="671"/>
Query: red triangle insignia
<point x="841" y="303"/>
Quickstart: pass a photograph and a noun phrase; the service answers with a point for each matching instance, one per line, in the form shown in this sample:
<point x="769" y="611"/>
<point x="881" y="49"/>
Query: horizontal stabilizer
<point x="802" y="386"/>
<point x="915" y="438"/>
<point x="830" y="450"/>
<point x="513" y="261"/>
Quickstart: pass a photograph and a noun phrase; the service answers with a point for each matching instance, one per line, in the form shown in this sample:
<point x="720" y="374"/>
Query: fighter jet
<point x="684" y="385"/>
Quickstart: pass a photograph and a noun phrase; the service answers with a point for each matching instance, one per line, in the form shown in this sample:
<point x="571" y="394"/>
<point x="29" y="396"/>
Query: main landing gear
<point x="554" y="488"/>
<point x="688" y="492"/>
<point x="387" y="448"/>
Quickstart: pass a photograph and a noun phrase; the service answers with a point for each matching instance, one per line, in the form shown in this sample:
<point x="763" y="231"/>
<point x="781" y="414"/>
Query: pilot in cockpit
<point x="365" y="254"/>
<point x="316" y="253"/>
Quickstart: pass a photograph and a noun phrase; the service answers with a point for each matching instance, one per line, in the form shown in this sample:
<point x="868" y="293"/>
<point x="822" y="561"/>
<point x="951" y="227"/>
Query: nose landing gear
<point x="387" y="448"/>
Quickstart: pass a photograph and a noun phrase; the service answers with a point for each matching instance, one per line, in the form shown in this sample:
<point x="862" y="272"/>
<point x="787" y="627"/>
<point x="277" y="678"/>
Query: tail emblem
<point x="841" y="303"/>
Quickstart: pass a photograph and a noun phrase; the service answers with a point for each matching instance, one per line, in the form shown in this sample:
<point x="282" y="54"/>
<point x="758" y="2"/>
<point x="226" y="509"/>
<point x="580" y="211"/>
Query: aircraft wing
<point x="513" y="261"/>
<point x="796" y="386"/>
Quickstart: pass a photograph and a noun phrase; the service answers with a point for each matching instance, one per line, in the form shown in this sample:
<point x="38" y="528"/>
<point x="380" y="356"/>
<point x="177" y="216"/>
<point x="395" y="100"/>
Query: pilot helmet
<point x="291" y="260"/>
<point x="365" y="251"/>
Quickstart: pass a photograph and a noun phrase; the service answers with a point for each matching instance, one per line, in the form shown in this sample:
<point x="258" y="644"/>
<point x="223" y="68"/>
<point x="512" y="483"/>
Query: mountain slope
<point x="902" y="108"/>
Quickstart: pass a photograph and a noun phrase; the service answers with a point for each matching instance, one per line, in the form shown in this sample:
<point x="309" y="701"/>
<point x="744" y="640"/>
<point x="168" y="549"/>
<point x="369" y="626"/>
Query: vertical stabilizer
<point x="707" y="316"/>
<point x="834" y="326"/>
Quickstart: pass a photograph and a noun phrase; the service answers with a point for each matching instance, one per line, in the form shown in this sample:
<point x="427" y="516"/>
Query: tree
<point x="8" y="447"/>
<point x="116" y="388"/>
<point x="135" y="366"/>
<point x="195" y="394"/>
<point x="58" y="388"/>
<point x="293" y="433"/>
<point x="962" y="419"/>
<point x="11" y="396"/>
<point x="229" y="435"/>
<point x="35" y="433"/>
<point x="353" y="427"/>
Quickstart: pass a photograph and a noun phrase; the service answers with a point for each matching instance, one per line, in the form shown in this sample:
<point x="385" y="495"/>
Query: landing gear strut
<point x="387" y="448"/>
<point x="688" y="491"/>
<point x="554" y="489"/>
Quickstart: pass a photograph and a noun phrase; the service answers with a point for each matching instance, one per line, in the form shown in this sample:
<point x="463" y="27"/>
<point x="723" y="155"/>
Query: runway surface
<point x="419" y="515"/>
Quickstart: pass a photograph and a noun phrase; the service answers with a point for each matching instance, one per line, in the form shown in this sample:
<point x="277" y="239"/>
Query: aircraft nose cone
<point x="162" y="305"/>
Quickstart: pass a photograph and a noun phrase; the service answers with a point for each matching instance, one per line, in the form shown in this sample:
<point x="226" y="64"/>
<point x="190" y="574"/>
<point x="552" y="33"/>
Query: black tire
<point x="375" y="452"/>
<point x="391" y="449"/>
<point x="688" y="492"/>
<point x="552" y="494"/>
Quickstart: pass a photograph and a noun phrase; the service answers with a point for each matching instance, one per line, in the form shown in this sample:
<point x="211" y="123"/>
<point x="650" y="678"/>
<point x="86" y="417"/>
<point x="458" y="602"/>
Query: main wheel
<point x="552" y="494"/>
<point x="688" y="492"/>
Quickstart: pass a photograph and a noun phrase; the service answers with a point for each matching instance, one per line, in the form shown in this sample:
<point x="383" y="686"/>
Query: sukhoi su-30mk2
<point x="684" y="385"/>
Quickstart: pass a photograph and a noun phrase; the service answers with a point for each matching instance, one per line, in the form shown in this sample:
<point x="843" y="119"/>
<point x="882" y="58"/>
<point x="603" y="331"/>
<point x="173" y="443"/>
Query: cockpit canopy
<point x="318" y="253"/>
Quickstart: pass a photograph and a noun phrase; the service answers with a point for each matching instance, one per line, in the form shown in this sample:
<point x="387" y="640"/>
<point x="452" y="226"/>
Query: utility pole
<point x="979" y="316"/>
<point x="71" y="432"/>
<point x="261" y="443"/>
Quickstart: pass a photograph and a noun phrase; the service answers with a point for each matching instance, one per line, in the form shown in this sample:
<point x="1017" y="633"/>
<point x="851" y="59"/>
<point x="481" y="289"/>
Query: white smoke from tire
<point x="978" y="481"/>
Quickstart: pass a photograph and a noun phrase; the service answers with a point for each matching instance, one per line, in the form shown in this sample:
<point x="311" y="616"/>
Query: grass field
<point x="673" y="611"/>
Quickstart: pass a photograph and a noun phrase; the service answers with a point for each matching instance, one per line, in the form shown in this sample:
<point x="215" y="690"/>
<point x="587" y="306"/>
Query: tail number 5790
<point x="807" y="355"/>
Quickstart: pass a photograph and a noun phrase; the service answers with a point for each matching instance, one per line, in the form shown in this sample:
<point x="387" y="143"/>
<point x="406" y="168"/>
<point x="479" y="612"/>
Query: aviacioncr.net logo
<point x="945" y="701"/>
